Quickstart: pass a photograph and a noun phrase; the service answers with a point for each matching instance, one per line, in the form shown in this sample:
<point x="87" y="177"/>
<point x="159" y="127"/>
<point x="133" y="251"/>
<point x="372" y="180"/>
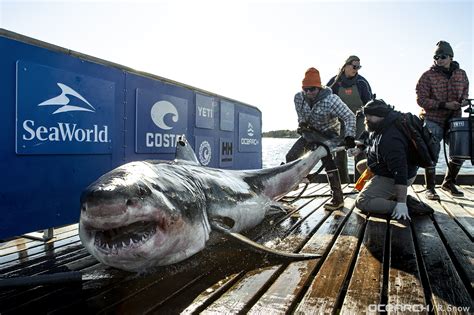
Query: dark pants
<point x="341" y="156"/>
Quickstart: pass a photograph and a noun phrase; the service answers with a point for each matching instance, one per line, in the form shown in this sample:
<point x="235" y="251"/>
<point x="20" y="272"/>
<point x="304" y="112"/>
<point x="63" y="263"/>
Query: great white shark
<point x="153" y="213"/>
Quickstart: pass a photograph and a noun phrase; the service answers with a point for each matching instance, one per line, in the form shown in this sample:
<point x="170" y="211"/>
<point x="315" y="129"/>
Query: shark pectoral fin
<point x="259" y="247"/>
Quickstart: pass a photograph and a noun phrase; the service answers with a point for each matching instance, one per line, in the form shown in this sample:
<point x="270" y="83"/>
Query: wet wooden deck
<point x="422" y="266"/>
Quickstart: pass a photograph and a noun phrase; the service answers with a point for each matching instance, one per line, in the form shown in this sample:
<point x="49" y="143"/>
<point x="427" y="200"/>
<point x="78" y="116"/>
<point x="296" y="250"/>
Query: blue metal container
<point x="68" y="118"/>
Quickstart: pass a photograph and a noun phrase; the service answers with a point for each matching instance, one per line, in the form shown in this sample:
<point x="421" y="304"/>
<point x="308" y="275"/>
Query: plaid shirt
<point x="325" y="113"/>
<point x="435" y="87"/>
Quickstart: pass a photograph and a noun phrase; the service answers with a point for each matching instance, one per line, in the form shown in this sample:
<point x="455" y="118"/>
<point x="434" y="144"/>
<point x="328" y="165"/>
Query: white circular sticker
<point x="205" y="153"/>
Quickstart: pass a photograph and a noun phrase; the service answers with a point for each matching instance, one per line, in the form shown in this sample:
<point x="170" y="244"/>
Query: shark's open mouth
<point x="133" y="235"/>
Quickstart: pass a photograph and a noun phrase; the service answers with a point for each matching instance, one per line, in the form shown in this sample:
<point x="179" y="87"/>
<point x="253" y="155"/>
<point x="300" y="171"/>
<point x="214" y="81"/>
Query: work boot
<point x="416" y="207"/>
<point x="337" y="200"/>
<point x="449" y="183"/>
<point x="430" y="181"/>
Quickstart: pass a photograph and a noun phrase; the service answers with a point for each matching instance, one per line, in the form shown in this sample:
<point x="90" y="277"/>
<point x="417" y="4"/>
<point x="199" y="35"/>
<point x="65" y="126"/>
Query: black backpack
<point x="422" y="144"/>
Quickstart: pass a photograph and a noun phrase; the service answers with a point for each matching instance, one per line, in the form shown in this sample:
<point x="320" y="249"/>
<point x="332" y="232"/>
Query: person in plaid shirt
<point x="319" y="111"/>
<point x="441" y="91"/>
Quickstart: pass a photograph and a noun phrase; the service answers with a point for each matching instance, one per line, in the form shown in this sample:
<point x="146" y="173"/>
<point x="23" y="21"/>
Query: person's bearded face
<point x="371" y="126"/>
<point x="372" y="123"/>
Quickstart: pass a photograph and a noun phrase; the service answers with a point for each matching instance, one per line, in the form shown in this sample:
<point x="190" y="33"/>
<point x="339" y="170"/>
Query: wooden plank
<point x="468" y="201"/>
<point x="20" y="241"/>
<point x="325" y="289"/>
<point x="25" y="247"/>
<point x="460" y="215"/>
<point x="459" y="243"/>
<point x="43" y="253"/>
<point x="365" y="286"/>
<point x="240" y="294"/>
<point x="447" y="289"/>
<point x="283" y="294"/>
<point x="13" y="297"/>
<point x="243" y="292"/>
<point x="210" y="294"/>
<point x="405" y="288"/>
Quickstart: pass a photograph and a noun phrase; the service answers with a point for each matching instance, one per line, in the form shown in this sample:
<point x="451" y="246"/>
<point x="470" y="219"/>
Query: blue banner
<point x="160" y="119"/>
<point x="227" y="116"/>
<point x="62" y="112"/>
<point x="250" y="132"/>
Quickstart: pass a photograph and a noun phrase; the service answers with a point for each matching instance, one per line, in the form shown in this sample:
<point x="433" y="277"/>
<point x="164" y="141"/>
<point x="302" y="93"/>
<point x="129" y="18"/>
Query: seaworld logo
<point x="65" y="131"/>
<point x="65" y="102"/>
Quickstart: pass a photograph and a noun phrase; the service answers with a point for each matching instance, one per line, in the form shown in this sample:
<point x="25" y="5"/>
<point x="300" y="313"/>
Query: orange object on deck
<point x="364" y="177"/>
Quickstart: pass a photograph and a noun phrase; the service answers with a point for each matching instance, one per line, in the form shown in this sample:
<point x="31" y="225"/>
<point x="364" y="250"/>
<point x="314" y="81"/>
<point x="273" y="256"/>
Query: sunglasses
<point x="310" y="89"/>
<point x="442" y="57"/>
<point x="356" y="67"/>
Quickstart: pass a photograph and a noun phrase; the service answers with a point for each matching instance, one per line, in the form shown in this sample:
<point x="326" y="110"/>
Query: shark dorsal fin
<point x="184" y="152"/>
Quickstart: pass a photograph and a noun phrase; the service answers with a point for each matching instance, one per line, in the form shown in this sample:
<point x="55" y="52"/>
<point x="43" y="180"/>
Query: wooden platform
<point x="368" y="264"/>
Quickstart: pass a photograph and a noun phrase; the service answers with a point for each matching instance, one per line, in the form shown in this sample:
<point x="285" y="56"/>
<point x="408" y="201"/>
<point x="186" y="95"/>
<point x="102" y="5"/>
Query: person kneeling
<point x="387" y="159"/>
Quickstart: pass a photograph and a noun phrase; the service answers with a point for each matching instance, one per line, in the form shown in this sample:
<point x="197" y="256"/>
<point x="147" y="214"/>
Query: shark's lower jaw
<point x="127" y="237"/>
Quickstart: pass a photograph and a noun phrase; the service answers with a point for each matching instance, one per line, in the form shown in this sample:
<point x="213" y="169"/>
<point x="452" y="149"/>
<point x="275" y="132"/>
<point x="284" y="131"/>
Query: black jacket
<point x="388" y="152"/>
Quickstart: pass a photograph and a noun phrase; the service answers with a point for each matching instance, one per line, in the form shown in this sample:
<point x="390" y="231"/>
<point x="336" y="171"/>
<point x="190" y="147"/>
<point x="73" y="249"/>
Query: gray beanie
<point x="443" y="48"/>
<point x="350" y="59"/>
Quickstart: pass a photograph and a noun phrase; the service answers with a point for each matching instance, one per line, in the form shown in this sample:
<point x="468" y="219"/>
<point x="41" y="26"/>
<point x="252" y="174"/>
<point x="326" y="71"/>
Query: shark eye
<point x="132" y="202"/>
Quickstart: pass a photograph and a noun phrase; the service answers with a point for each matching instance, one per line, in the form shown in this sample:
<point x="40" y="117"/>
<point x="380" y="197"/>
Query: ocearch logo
<point x="250" y="130"/>
<point x="65" y="131"/>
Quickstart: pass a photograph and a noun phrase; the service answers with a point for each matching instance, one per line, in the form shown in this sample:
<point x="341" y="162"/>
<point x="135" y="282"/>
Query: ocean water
<point x="275" y="149"/>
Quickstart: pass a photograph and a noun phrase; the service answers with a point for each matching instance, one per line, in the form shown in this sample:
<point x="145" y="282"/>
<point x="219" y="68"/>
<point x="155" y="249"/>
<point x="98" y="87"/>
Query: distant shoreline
<point x="280" y="134"/>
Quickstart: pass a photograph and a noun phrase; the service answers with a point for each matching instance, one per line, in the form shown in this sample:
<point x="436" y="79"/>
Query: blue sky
<point x="257" y="51"/>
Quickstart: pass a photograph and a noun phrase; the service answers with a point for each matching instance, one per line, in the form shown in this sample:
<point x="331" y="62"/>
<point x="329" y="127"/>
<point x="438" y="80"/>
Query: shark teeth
<point x="130" y="236"/>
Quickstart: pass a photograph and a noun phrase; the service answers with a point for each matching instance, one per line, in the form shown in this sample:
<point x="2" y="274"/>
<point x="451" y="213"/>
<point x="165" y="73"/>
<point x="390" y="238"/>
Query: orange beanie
<point x="312" y="78"/>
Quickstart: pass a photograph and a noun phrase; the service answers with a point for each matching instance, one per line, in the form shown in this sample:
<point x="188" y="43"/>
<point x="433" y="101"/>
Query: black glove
<point x="349" y="142"/>
<point x="302" y="126"/>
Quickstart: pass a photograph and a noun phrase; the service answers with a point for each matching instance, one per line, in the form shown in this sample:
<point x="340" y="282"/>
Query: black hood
<point x="388" y="121"/>
<point x="448" y="72"/>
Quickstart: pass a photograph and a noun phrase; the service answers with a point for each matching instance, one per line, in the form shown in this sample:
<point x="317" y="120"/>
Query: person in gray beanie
<point x="441" y="92"/>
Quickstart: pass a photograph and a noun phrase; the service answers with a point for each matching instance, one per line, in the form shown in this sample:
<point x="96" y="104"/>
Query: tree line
<point x="280" y="134"/>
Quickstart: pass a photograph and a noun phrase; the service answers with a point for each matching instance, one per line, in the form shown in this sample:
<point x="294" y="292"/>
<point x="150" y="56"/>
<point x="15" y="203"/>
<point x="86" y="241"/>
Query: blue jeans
<point x="438" y="134"/>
